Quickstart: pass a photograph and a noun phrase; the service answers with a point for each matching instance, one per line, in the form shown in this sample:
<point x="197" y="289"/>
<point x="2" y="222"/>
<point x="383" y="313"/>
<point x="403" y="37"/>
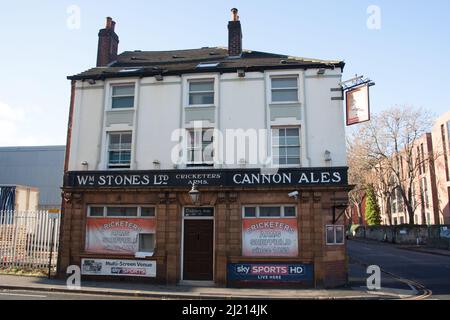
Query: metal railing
<point x="28" y="238"/>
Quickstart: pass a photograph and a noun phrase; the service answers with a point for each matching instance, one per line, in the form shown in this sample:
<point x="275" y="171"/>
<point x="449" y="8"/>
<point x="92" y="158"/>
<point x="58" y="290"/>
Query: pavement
<point x="408" y="272"/>
<point x="47" y="288"/>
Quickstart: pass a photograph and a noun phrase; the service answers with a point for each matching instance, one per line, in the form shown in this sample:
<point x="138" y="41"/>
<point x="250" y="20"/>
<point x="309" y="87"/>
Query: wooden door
<point x="198" y="254"/>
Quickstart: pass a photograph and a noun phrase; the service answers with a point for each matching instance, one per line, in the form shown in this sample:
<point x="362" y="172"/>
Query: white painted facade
<point x="240" y="103"/>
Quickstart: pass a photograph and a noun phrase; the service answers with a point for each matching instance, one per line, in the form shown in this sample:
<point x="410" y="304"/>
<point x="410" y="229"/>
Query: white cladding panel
<point x="159" y="113"/>
<point x="87" y="126"/>
<point x="324" y="122"/>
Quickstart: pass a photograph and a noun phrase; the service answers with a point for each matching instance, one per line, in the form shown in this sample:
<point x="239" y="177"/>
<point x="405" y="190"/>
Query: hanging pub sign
<point x="358" y="105"/>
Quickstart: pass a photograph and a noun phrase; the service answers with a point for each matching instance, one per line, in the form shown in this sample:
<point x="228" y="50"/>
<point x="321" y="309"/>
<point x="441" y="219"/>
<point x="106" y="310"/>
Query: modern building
<point x="441" y="144"/>
<point x="431" y="181"/>
<point x="40" y="168"/>
<point x="220" y="165"/>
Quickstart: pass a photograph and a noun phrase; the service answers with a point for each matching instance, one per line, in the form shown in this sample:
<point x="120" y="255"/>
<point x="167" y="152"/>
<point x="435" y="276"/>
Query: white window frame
<point x="146" y="253"/>
<point x="111" y="95"/>
<point x="138" y="216"/>
<point x="200" y="80"/>
<point x="334" y="229"/>
<point x="258" y="216"/>
<point x="108" y="140"/>
<point x="190" y="148"/>
<point x="286" y="76"/>
<point x="299" y="165"/>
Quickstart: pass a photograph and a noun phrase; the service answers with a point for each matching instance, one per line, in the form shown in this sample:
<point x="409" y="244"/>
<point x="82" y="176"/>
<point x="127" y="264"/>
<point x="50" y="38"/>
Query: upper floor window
<point x="286" y="146"/>
<point x="448" y="133"/>
<point x="119" y="150"/>
<point x="285" y="89"/>
<point x="122" y="97"/>
<point x="200" y="150"/>
<point x="201" y="92"/>
<point x="425" y="193"/>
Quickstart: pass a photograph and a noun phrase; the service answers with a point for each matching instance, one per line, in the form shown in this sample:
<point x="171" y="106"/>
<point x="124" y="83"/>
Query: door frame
<point x="183" y="218"/>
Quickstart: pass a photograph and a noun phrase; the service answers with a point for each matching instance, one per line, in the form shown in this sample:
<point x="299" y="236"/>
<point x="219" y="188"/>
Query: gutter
<point x="149" y="73"/>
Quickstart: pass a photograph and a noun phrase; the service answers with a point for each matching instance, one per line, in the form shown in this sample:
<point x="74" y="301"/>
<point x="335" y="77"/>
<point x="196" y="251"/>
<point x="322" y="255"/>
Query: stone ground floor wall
<point x="437" y="236"/>
<point x="314" y="213"/>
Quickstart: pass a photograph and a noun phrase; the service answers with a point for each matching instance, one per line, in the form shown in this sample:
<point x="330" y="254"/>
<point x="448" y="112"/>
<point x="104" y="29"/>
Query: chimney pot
<point x="234" y="14"/>
<point x="109" y="22"/>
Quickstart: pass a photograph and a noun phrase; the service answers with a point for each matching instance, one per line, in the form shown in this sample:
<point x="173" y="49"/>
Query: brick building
<point x="431" y="185"/>
<point x="152" y="190"/>
<point x="441" y="144"/>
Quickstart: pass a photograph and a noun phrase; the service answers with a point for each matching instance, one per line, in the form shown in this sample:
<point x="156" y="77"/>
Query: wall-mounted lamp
<point x="67" y="196"/>
<point x="194" y="194"/>
<point x="321" y="72"/>
<point x="159" y="77"/>
<point x="241" y="73"/>
<point x="92" y="82"/>
<point x="327" y="156"/>
<point x="85" y="165"/>
<point x="157" y="164"/>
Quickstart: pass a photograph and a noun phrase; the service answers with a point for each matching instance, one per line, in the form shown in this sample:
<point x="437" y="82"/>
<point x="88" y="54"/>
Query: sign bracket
<point x="356" y="82"/>
<point x="335" y="207"/>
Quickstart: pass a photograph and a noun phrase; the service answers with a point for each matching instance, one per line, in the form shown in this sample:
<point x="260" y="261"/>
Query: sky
<point x="402" y="45"/>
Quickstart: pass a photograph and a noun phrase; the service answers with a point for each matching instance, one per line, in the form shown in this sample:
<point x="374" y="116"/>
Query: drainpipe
<point x="66" y="168"/>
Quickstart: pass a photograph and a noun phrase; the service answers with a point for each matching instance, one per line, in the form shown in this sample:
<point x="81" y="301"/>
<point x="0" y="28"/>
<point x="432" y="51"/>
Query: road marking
<point x="22" y="295"/>
<point x="420" y="292"/>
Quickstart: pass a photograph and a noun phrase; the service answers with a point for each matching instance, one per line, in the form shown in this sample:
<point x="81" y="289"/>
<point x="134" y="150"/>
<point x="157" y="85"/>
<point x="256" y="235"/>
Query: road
<point x="37" y="295"/>
<point x="432" y="271"/>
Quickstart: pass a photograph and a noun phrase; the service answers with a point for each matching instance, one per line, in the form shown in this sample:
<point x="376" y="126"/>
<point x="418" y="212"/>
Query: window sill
<point x="194" y="106"/>
<point x="199" y="165"/>
<point x="121" y="109"/>
<point x="293" y="166"/>
<point x="118" y="168"/>
<point x="143" y="255"/>
<point x="285" y="103"/>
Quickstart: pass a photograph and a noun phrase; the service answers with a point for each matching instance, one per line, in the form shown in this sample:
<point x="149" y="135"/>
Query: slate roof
<point x="176" y="62"/>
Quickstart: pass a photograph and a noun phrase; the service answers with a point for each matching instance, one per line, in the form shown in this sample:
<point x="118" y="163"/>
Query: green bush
<point x="373" y="215"/>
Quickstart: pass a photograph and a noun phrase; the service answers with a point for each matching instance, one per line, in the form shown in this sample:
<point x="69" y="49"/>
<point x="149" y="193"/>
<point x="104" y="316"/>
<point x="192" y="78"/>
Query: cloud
<point x="28" y="126"/>
<point x="10" y="122"/>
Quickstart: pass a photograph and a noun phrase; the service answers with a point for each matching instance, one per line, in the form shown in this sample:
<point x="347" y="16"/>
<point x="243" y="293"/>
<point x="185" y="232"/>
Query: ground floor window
<point x="128" y="230"/>
<point x="269" y="231"/>
<point x="287" y="211"/>
<point x="335" y="235"/>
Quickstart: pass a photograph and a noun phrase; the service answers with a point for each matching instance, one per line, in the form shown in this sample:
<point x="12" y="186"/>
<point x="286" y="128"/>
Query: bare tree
<point x="357" y="174"/>
<point x="391" y="140"/>
<point x="365" y="171"/>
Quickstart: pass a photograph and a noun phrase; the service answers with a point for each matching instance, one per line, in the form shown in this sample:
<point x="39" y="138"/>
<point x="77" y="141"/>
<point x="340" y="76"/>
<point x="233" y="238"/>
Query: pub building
<point x="143" y="202"/>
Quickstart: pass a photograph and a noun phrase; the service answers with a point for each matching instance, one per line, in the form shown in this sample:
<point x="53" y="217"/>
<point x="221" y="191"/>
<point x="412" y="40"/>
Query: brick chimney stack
<point x="108" y="44"/>
<point x="234" y="35"/>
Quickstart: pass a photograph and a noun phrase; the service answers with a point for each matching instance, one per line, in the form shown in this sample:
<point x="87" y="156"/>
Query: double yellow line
<point x="425" y="293"/>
